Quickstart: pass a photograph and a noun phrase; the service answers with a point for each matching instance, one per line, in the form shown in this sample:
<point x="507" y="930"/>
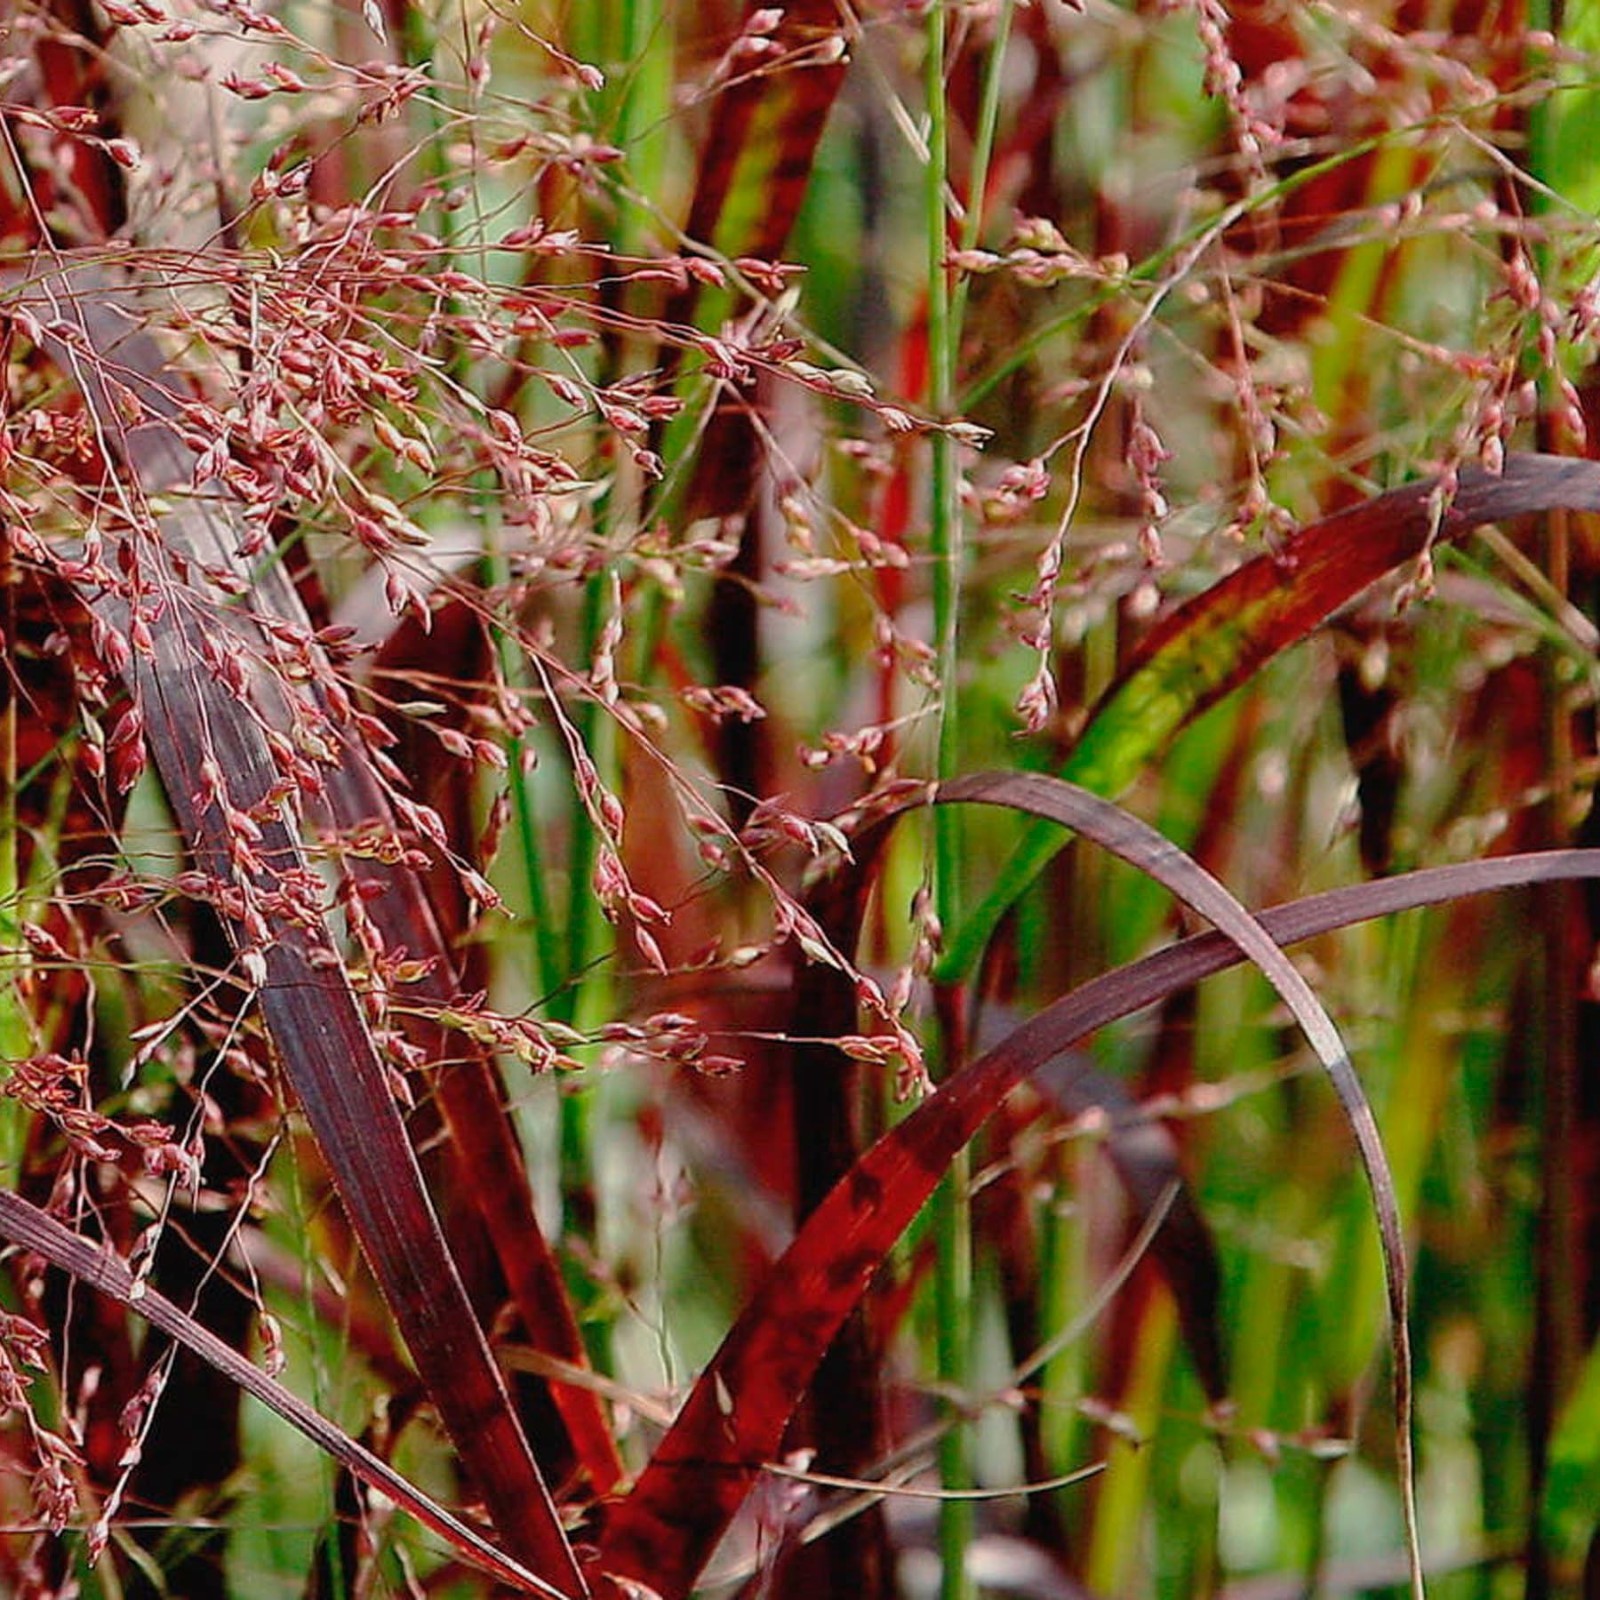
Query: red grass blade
<point x="764" y="133"/>
<point x="470" y="1094"/>
<point x="754" y="167"/>
<point x="227" y="791"/>
<point x="734" y="1418"/>
<point x="1206" y="649"/>
<point x="717" y="1451"/>
<point x="472" y="1100"/>
<point x="25" y="1224"/>
<point x="1218" y="641"/>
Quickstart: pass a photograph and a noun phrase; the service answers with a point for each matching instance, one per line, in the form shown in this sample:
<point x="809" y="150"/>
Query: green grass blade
<point x="1214" y="644"/>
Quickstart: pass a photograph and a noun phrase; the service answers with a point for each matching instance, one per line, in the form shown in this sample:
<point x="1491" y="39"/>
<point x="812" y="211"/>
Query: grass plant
<point x="641" y="642"/>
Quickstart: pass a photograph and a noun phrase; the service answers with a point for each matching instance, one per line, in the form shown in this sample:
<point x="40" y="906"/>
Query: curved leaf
<point x="734" y="1418"/>
<point x="226" y="791"/>
<point x="25" y="1224"/>
<point x="1216" y="642"/>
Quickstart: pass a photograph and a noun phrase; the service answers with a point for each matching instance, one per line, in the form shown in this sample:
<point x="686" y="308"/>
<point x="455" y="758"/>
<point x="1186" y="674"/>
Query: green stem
<point x="14" y="959"/>
<point x="953" y="1224"/>
<point x="420" y="43"/>
<point x="982" y="150"/>
<point x="597" y="734"/>
<point x="944" y="512"/>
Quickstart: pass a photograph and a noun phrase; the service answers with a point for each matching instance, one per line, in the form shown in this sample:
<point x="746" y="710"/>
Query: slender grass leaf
<point x="227" y="792"/>
<point x="1570" y="1511"/>
<point x="814" y="1286"/>
<point x="471" y="1095"/>
<point x="1216" y="642"/>
<point x="1117" y="831"/>
<point x="754" y="167"/>
<point x="472" y="1099"/>
<point x="734" y="1418"/>
<point x="765" y="130"/>
<point x="25" y="1224"/>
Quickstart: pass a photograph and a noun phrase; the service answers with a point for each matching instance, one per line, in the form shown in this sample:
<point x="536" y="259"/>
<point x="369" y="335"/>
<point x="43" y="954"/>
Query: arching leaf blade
<point x="25" y="1224"/>
<point x="216" y="765"/>
<point x="1218" y="641"/>
<point x="733" y="1420"/>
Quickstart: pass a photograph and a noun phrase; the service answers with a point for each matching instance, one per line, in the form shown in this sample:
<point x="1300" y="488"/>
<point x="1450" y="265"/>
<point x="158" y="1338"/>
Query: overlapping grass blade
<point x="25" y="1224"/>
<point x="764" y="132"/>
<point x="735" y="1416"/>
<point x="1109" y="826"/>
<point x="219" y="773"/>
<point x="754" y="166"/>
<point x="472" y="1100"/>
<point x="471" y="1095"/>
<point x="1217" y="642"/>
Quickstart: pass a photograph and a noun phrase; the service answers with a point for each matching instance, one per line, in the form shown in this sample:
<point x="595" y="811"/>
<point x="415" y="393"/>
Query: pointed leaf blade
<point x="734" y="1418"/>
<point x="25" y="1224"/>
<point x="1216" y="642"/>
<point x="220" y="776"/>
